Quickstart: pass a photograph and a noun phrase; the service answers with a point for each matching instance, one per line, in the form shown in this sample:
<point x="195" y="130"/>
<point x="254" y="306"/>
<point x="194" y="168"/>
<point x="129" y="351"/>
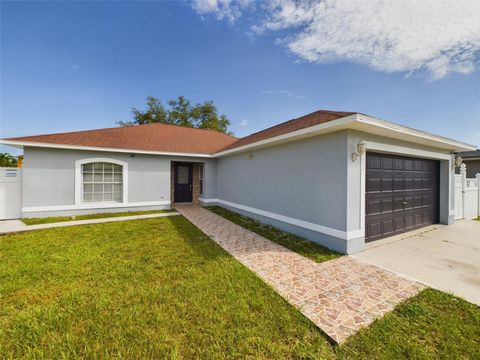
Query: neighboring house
<point x="472" y="161"/>
<point x="337" y="178"/>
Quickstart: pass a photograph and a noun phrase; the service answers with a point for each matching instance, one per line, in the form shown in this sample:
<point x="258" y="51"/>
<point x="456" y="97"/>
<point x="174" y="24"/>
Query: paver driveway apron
<point x="339" y="296"/>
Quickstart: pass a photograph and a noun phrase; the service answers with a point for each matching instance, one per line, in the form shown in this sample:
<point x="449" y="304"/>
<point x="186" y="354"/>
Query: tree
<point x="7" y="160"/>
<point x="155" y="113"/>
<point x="180" y="112"/>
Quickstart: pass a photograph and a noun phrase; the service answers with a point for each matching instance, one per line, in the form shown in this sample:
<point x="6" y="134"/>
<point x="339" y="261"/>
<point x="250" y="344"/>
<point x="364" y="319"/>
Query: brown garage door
<point x="401" y="194"/>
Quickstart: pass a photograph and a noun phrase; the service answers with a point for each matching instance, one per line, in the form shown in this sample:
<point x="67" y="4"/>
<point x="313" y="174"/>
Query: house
<point x="338" y="178"/>
<point x="472" y="162"/>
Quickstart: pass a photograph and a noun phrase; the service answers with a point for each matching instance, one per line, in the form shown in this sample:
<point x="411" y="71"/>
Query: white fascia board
<point x="331" y="126"/>
<point x="386" y="128"/>
<point x="363" y="123"/>
<point x="22" y="144"/>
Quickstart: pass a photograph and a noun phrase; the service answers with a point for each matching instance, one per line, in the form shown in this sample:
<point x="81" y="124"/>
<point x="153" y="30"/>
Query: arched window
<point x="102" y="182"/>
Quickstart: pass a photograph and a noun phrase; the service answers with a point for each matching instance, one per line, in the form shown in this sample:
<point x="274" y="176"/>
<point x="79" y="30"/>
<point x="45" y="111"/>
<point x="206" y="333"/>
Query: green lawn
<point x="55" y="219"/>
<point x="160" y="288"/>
<point x="293" y="242"/>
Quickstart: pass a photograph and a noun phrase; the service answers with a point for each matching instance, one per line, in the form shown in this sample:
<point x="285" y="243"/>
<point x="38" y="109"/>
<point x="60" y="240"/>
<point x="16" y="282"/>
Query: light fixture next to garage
<point x="361" y="149"/>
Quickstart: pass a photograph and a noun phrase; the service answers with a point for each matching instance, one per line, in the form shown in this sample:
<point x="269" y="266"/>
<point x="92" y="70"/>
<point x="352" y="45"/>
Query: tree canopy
<point x="7" y="160"/>
<point x="182" y="112"/>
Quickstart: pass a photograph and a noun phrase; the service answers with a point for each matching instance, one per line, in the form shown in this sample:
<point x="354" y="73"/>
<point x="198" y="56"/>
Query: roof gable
<point x="312" y="119"/>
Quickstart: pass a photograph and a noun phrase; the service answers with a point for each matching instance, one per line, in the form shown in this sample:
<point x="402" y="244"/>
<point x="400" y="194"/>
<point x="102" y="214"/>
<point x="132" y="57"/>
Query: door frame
<point x="175" y="177"/>
<point x="445" y="209"/>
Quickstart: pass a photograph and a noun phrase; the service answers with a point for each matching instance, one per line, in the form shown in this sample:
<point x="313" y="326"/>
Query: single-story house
<point x="472" y="162"/>
<point x="338" y="178"/>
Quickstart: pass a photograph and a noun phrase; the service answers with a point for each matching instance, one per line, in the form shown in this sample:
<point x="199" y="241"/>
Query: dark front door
<point x="401" y="194"/>
<point x="182" y="182"/>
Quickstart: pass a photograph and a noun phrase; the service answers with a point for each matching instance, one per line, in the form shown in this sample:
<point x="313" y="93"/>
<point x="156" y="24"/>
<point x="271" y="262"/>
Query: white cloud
<point x="440" y="37"/>
<point x="244" y="123"/>
<point x="278" y="92"/>
<point x="283" y="92"/>
<point x="222" y="9"/>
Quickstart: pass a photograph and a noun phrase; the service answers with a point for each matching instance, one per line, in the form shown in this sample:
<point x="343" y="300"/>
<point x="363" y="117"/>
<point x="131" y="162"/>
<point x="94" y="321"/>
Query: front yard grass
<point x="309" y="249"/>
<point x="160" y="288"/>
<point x="55" y="219"/>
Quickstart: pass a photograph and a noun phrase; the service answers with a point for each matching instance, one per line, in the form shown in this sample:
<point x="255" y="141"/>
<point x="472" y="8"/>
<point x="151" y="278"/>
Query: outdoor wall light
<point x="361" y="149"/>
<point x="458" y="161"/>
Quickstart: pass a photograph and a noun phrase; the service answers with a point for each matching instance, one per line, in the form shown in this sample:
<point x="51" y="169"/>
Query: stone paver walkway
<point x="13" y="226"/>
<point x="339" y="296"/>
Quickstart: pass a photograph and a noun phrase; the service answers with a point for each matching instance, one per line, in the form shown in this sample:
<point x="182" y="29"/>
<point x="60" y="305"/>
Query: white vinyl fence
<point x="467" y="195"/>
<point x="10" y="193"/>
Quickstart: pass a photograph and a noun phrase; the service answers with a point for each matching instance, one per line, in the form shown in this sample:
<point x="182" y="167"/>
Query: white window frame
<point x="79" y="183"/>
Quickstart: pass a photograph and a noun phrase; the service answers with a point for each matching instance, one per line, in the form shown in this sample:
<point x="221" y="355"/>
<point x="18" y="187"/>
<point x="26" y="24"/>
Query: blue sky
<point x="69" y="66"/>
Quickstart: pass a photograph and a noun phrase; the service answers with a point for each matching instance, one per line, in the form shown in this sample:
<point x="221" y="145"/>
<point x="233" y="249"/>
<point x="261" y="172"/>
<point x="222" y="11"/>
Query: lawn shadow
<point x="195" y="239"/>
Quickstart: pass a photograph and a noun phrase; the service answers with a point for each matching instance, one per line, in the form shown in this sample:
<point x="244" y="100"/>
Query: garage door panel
<point x="388" y="226"/>
<point x="374" y="207"/>
<point x="374" y="230"/>
<point x="417" y="201"/>
<point x="409" y="224"/>
<point x="374" y="162"/>
<point x="387" y="205"/>
<point x="401" y="194"/>
<point x="398" y="203"/>
<point x="373" y="183"/>
<point x="398" y="164"/>
<point x="387" y="163"/>
<point x="399" y="223"/>
<point x="398" y="181"/>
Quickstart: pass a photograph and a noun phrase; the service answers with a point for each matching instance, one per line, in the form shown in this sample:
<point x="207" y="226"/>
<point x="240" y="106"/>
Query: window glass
<point x="183" y="175"/>
<point x="102" y="182"/>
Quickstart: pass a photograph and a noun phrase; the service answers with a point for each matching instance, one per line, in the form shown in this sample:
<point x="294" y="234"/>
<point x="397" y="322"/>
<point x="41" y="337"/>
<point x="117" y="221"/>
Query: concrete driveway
<point x="444" y="257"/>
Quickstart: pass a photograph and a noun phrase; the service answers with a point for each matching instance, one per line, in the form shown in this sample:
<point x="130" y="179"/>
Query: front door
<point x="183" y="182"/>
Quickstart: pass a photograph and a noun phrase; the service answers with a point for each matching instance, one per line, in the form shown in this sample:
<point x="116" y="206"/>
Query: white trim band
<point x="97" y="148"/>
<point x="345" y="235"/>
<point x="93" y="206"/>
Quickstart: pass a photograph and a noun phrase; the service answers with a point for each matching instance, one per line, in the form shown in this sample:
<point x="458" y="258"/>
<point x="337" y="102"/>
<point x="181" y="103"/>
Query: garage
<point x="402" y="194"/>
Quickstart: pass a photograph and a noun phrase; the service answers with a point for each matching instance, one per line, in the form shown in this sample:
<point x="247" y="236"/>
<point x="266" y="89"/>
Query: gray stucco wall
<point x="49" y="177"/>
<point x="305" y="179"/>
<point x="315" y="180"/>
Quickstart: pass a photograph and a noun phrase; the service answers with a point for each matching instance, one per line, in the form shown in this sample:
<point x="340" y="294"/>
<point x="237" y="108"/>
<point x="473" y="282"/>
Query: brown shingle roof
<point x="150" y="137"/>
<point x="178" y="139"/>
<point x="315" y="118"/>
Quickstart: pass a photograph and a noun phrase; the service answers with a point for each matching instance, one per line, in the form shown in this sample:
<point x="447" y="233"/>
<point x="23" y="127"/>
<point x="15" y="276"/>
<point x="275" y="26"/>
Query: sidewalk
<point x="13" y="226"/>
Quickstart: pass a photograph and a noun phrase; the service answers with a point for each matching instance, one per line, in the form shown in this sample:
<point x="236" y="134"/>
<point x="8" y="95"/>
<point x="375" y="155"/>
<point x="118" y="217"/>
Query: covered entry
<point x="186" y="181"/>
<point x="402" y="194"/>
